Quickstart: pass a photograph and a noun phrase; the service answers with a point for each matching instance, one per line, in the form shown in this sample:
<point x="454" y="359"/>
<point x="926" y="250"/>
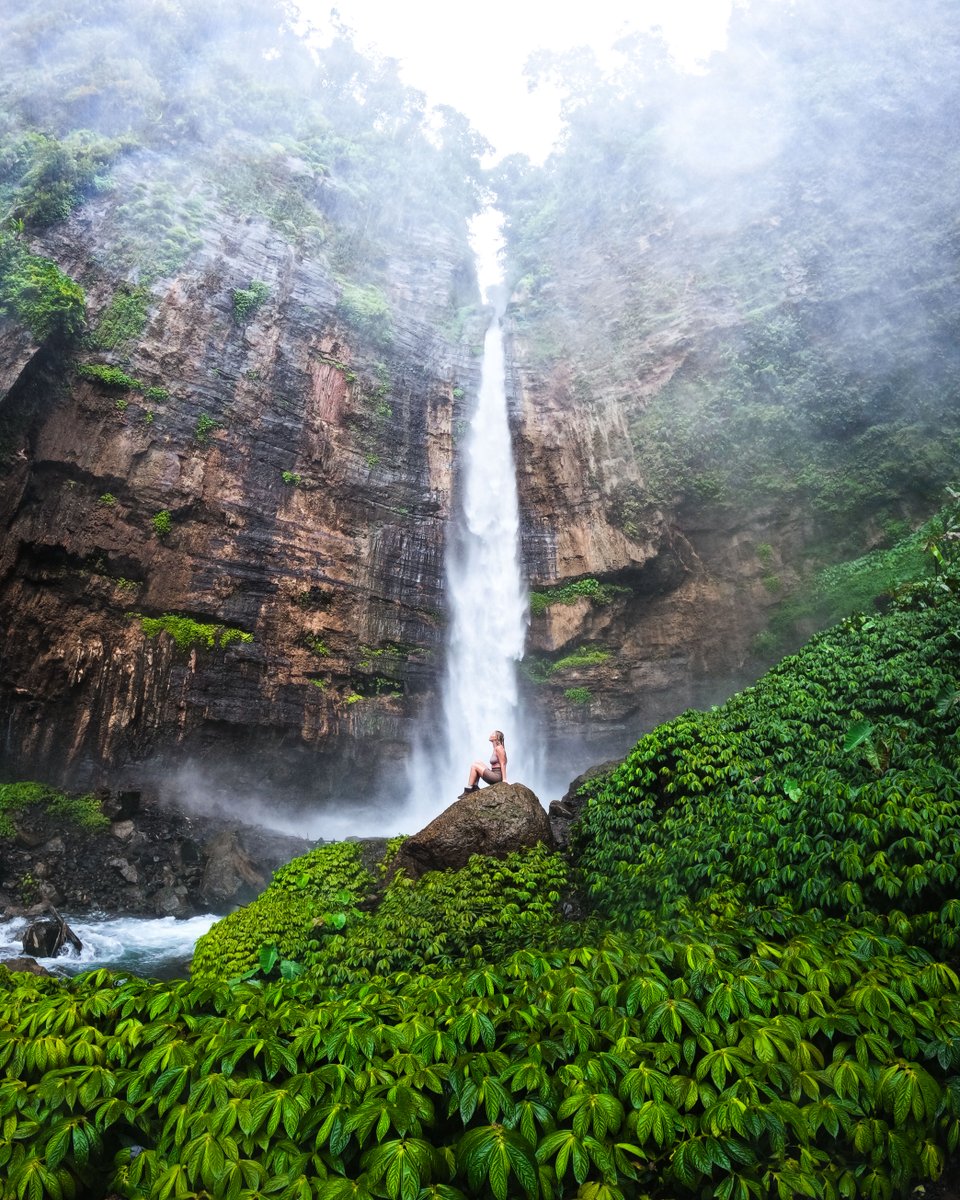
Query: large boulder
<point x="229" y="876"/>
<point x="493" y="820"/>
<point x="45" y="939"/>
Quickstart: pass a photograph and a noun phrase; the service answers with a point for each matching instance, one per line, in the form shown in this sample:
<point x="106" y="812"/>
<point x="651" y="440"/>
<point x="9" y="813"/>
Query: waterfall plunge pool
<point x="152" y="947"/>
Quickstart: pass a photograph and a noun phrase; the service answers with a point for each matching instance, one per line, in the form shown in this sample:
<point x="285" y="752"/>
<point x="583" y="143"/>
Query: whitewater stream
<point x="156" y="948"/>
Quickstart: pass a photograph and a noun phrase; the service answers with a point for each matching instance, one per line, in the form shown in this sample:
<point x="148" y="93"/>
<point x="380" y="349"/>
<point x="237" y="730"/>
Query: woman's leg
<point x="490" y="776"/>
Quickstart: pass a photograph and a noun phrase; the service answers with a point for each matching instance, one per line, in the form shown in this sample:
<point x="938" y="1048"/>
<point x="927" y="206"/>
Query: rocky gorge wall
<point x="684" y="590"/>
<point x="284" y="474"/>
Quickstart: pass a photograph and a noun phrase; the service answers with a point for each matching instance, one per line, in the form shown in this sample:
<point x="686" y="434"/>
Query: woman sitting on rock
<point x="496" y="772"/>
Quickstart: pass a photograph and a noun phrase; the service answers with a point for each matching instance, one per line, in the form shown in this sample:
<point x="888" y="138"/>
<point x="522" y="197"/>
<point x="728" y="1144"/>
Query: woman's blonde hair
<point x="499" y="736"/>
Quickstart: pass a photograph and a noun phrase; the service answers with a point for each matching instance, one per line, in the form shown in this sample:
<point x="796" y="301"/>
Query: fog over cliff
<point x="239" y="346"/>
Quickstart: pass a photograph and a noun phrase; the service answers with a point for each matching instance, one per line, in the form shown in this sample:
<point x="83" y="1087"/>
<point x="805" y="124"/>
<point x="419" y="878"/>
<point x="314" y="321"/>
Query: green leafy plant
<point x="578" y="695"/>
<point x="366" y="307"/>
<point x="111" y="377"/>
<point x="34" y="291"/>
<point x="292" y="478"/>
<point x="187" y="633"/>
<point x="108" y="500"/>
<point x="123" y="320"/>
<point x="204" y="427"/>
<point x="589" y="589"/>
<point x="83" y="812"/>
<point x="246" y="301"/>
<point x="162" y="522"/>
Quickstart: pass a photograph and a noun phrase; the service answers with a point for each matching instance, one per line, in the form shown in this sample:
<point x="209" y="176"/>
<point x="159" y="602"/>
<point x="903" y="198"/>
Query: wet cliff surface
<point x="279" y="473"/>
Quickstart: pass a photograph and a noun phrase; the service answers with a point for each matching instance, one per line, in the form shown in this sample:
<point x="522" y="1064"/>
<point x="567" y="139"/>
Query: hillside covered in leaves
<point x="760" y="1001"/>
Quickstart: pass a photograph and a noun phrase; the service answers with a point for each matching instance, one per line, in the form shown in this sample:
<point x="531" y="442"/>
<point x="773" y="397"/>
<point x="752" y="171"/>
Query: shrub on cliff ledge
<point x="188" y="633"/>
<point x="246" y="301"/>
<point x="368" y="311"/>
<point x="569" y="593"/>
<point x="34" y="291"/>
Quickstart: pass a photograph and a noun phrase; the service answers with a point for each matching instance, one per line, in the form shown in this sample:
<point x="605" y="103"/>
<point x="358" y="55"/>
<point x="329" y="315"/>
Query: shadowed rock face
<point x="493" y="821"/>
<point x="152" y="860"/>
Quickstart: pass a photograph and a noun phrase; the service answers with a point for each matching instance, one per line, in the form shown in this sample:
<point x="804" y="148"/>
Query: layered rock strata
<point x="285" y="477"/>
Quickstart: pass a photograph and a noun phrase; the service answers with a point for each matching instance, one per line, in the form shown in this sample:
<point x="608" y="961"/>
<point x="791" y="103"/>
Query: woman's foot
<point x="467" y="790"/>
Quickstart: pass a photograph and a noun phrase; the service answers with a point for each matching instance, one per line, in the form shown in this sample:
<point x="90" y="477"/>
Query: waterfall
<point x="487" y="596"/>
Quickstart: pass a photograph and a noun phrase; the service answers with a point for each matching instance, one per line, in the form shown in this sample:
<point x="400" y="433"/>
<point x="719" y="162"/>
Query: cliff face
<point x="303" y="461"/>
<point x="686" y="589"/>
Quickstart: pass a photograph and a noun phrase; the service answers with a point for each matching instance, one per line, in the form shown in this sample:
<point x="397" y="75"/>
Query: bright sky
<point x="472" y="56"/>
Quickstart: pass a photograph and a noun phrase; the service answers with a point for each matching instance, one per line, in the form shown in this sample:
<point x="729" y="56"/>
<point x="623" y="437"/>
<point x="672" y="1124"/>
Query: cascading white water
<point x="158" y="947"/>
<point x="487" y="596"/>
<point x="488" y="601"/>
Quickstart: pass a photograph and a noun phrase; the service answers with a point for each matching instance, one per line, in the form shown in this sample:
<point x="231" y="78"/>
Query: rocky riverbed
<point x="148" y="860"/>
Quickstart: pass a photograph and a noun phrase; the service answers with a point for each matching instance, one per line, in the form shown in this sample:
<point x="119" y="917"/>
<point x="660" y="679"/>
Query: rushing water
<point x="488" y="602"/>
<point x="487" y="596"/>
<point x="158" y="948"/>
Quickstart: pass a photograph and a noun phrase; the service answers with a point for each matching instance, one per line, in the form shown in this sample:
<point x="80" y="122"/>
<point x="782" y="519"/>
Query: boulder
<point x="28" y="966"/>
<point x="171" y="901"/>
<point x="45" y="939"/>
<point x="493" y="821"/>
<point x="229" y="876"/>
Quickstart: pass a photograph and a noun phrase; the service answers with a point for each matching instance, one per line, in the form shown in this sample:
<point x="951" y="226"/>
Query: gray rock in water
<point x="494" y="821"/>
<point x="229" y="876"/>
<point x="45" y="939"/>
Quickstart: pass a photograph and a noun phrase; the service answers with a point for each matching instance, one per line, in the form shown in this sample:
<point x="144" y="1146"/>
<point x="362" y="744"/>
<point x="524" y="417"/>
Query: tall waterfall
<point x="487" y="596"/>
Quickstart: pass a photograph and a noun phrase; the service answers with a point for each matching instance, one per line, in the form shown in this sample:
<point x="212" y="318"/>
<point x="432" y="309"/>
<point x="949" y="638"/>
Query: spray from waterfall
<point x="487" y="595"/>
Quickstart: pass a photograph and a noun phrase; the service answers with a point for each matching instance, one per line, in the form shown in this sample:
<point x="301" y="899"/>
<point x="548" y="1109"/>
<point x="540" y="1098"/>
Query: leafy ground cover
<point x="772" y="1056"/>
<point x="315" y="915"/>
<point x="830" y="786"/>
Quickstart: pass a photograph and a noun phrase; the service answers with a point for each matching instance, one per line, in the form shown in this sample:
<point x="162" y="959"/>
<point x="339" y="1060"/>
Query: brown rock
<point x="229" y="874"/>
<point x="47" y="938"/>
<point x="492" y="821"/>
<point x="25" y="965"/>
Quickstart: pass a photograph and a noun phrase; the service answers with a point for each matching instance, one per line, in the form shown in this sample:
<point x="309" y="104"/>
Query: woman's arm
<point x="502" y="758"/>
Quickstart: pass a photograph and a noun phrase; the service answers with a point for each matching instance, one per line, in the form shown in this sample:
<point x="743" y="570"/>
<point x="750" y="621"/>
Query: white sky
<point x="472" y="56"/>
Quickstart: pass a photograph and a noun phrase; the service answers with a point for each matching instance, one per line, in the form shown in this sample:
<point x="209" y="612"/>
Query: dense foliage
<point x="314" y="915"/>
<point x="35" y="292"/>
<point x="831" y="785"/>
<point x="772" y="1057"/>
